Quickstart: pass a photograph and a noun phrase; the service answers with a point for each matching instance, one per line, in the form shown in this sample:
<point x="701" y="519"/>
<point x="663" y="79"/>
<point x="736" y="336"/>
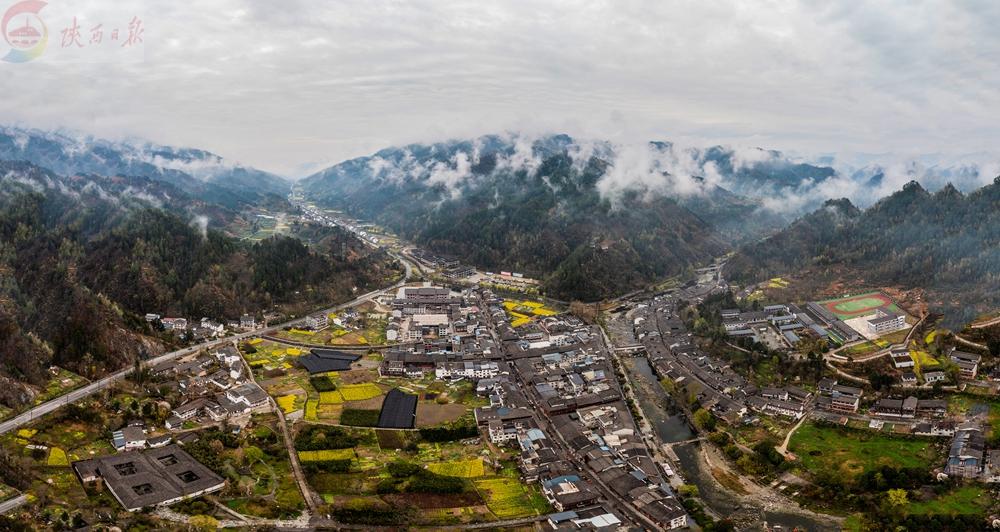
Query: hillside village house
<point x="937" y="428"/>
<point x="174" y="324"/>
<point x="909" y="407"/>
<point x="317" y="321"/>
<point x="468" y="370"/>
<point x="968" y="363"/>
<point x="392" y="332"/>
<point x="431" y="324"/>
<point x="129" y="438"/>
<point x="249" y="394"/>
<point x="930" y="377"/>
<point x="841" y="399"/>
<point x="237" y="401"/>
<point x="991" y="473"/>
<point x="901" y="358"/>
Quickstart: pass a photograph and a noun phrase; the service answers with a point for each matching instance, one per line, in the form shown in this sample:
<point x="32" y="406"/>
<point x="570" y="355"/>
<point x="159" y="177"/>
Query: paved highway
<point x="96" y="386"/>
<point x="11" y="504"/>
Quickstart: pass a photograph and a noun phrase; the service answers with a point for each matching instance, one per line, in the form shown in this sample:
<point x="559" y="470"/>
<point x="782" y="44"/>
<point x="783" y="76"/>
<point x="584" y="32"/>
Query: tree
<point x="881" y="381"/>
<point x="704" y="420"/>
<point x="203" y="522"/>
<point x="253" y="454"/>
<point x="13" y="471"/>
<point x="688" y="490"/>
<point x="993" y="344"/>
<point x="896" y="497"/>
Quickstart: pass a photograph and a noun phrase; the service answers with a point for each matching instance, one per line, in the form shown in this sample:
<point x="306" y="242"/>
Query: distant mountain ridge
<point x="199" y="173"/>
<point x="656" y="165"/>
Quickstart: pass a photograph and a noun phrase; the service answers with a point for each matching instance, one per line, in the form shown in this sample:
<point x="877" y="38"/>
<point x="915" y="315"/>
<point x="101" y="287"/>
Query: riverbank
<point x="757" y="504"/>
<point x="748" y="504"/>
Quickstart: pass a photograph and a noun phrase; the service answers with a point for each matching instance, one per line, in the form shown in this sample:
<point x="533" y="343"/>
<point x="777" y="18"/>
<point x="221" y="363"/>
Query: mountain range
<point x="597" y="219"/>
<point x="592" y="219"/>
<point x="202" y="175"/>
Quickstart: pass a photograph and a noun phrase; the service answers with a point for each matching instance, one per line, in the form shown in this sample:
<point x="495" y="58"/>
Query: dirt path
<point x="783" y="448"/>
<point x="312" y="499"/>
<point x="970" y="343"/>
<point x="985" y="324"/>
<point x="228" y="510"/>
<point x="846" y="375"/>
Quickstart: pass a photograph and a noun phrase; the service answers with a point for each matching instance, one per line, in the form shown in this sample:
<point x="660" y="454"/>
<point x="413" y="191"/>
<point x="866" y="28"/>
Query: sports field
<point x="860" y="305"/>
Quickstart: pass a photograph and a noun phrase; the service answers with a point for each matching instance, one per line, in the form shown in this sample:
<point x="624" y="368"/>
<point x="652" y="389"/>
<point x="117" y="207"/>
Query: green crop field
<point x="863" y="348"/>
<point x="359" y="392"/>
<point x="922" y="360"/>
<point x="966" y="500"/>
<point x="57" y="457"/>
<point x="312" y="407"/>
<point x="327" y="455"/>
<point x="507" y="498"/>
<point x="853" y="452"/>
<point x="459" y="468"/>
<point x="331" y="398"/>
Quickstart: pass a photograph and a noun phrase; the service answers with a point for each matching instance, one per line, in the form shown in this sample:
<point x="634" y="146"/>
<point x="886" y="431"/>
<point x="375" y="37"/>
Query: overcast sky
<point x="293" y="84"/>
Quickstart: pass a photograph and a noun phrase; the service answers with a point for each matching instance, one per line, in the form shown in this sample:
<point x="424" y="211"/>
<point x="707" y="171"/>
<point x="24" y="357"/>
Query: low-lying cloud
<point x="82" y="152"/>
<point x="200" y="222"/>
<point x="669" y="169"/>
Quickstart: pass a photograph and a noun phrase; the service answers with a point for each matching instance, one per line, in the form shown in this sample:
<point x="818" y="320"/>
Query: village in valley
<point x="457" y="397"/>
<point x="812" y="400"/>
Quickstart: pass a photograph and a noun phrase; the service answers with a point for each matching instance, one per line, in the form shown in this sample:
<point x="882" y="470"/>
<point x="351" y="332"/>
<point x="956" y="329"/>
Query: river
<point x="671" y="426"/>
<point x="659" y="408"/>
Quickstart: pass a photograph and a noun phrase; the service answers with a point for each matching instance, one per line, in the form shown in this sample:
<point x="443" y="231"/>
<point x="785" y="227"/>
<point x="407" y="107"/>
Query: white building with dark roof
<point x="249" y="394"/>
<point x="968" y="363"/>
<point x="317" y="321"/>
<point x="884" y="321"/>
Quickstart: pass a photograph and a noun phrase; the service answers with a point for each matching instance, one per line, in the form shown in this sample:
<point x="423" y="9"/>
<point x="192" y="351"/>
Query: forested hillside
<point x="80" y="263"/>
<point x="590" y="221"/>
<point x="945" y="242"/>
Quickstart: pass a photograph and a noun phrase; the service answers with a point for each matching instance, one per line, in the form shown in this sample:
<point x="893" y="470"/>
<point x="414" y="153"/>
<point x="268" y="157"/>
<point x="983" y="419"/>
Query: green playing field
<point x="859" y="305"/>
<point x="853" y="306"/>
